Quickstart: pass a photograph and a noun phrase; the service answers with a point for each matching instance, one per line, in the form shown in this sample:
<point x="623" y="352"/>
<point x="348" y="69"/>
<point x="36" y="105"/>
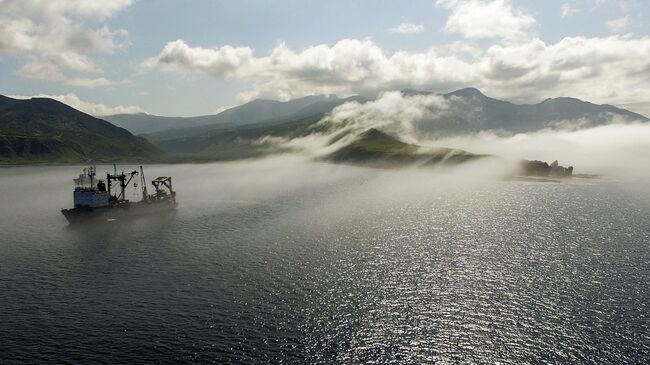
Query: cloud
<point x="223" y="62"/>
<point x="619" y="25"/>
<point x="95" y="109"/>
<point x="568" y="10"/>
<point x="93" y="82"/>
<point x="51" y="9"/>
<point x="480" y="19"/>
<point x="616" y="149"/>
<point x="49" y="71"/>
<point x="613" y="69"/>
<point x="56" y="37"/>
<point x="393" y="113"/>
<point x="35" y="69"/>
<point x="407" y="28"/>
<point x="626" y="5"/>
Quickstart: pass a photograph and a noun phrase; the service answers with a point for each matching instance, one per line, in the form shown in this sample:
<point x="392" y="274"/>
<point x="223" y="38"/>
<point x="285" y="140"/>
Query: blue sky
<point x="197" y="57"/>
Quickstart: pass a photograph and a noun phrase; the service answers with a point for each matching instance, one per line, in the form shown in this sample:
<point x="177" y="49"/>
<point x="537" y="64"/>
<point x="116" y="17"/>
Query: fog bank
<point x="616" y="149"/>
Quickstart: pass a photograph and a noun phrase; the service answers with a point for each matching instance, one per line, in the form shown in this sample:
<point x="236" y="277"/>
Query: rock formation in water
<point x="560" y="171"/>
<point x="543" y="169"/>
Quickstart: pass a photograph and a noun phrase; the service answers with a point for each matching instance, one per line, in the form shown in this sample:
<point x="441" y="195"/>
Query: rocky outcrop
<point x="543" y="169"/>
<point x="560" y="171"/>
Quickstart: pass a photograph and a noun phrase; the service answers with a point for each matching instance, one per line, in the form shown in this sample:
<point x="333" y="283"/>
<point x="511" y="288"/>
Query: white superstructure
<point x="90" y="197"/>
<point x="89" y="191"/>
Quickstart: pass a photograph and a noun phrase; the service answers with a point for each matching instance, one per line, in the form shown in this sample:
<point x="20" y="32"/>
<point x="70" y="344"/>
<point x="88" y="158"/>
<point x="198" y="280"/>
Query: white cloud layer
<point x="392" y="112"/>
<point x="619" y="150"/>
<point x="478" y="19"/>
<point x="613" y="69"/>
<point x="56" y="37"/>
<point x="407" y="28"/>
<point x="96" y="109"/>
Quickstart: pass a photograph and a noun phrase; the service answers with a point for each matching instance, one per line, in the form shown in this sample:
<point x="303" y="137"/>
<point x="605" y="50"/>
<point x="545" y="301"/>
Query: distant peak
<point x="467" y="92"/>
<point x="317" y="97"/>
<point x="370" y="132"/>
<point x="261" y="100"/>
<point x="308" y="98"/>
<point x="374" y="134"/>
<point x="563" y="99"/>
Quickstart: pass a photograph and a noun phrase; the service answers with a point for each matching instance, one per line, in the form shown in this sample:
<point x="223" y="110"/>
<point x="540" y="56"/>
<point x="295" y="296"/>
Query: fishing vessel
<point x="97" y="198"/>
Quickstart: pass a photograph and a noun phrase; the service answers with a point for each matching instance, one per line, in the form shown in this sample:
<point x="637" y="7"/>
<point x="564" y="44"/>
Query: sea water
<point x="301" y="262"/>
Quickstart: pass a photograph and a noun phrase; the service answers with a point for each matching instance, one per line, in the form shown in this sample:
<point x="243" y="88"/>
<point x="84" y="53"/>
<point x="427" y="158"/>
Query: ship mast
<point x="145" y="196"/>
<point x="91" y="173"/>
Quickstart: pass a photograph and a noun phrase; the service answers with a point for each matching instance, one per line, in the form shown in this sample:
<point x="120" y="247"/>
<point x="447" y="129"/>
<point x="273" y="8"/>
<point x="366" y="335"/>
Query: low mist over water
<point x="286" y="260"/>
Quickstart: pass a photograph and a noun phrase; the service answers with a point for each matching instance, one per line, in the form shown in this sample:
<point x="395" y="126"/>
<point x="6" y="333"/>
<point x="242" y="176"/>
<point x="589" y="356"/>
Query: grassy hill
<point x="377" y="149"/>
<point x="44" y="130"/>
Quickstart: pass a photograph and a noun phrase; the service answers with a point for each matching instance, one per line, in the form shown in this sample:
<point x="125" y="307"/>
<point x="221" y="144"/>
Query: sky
<point x="186" y="58"/>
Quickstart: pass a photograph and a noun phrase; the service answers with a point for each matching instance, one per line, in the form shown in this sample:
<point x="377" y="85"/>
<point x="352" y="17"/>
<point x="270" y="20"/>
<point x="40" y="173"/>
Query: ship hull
<point x="79" y="215"/>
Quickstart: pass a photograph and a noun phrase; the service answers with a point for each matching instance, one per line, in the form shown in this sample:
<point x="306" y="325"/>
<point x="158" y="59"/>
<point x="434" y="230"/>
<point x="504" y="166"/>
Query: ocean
<point x="286" y="261"/>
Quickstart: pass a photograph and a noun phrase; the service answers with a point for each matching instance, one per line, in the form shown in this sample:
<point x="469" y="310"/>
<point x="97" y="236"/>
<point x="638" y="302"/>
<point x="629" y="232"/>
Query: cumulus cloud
<point x="96" y="109"/>
<point x="223" y="62"/>
<point x="613" y="69"/>
<point x="478" y="19"/>
<point x="57" y="36"/>
<point x="407" y="28"/>
<point x="619" y="25"/>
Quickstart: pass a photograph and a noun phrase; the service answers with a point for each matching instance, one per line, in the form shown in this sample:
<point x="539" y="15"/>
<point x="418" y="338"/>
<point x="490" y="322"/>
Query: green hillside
<point x="43" y="130"/>
<point x="376" y="148"/>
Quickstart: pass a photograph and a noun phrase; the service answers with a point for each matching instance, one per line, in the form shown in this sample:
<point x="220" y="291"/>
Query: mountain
<point x="378" y="149"/>
<point x="470" y="111"/>
<point x="259" y="112"/>
<point x="45" y="130"/>
<point x="254" y="112"/>
<point x="142" y="123"/>
<point x="238" y="142"/>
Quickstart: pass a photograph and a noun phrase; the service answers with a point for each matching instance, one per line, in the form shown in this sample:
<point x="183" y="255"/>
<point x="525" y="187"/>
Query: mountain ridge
<point x="239" y="130"/>
<point x="469" y="111"/>
<point x="497" y="114"/>
<point x="251" y="112"/>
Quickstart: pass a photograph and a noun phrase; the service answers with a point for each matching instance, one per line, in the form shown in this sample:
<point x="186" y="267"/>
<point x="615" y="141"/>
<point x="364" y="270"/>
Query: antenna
<point x="92" y="175"/>
<point x="145" y="196"/>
